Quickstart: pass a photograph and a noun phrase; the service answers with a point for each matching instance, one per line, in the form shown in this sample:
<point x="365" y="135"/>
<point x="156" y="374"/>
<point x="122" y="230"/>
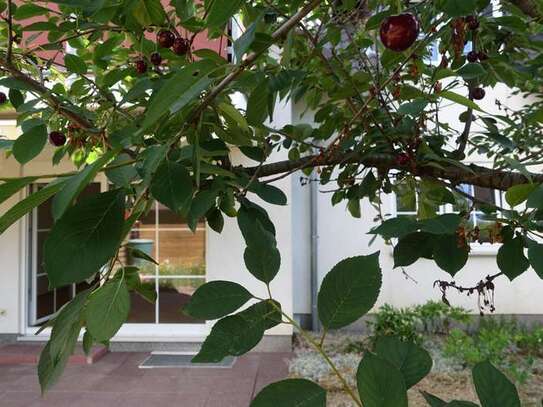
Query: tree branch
<point x="528" y="7"/>
<point x="471" y="174"/>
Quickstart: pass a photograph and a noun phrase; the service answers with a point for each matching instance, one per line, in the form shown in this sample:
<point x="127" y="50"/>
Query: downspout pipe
<point x="314" y="261"/>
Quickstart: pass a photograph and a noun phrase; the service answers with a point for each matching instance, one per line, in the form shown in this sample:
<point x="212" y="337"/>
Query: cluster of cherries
<point x="165" y="39"/>
<point x="399" y="32"/>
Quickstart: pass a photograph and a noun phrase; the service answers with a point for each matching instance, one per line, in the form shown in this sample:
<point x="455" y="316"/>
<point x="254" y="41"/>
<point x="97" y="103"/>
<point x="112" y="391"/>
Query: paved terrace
<point x="116" y="380"/>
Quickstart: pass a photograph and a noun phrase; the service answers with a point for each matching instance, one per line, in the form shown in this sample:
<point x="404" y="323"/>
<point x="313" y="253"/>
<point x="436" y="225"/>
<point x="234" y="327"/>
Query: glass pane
<point x="45" y="301"/>
<point x="42" y="236"/>
<point x="182" y="253"/>
<point x="45" y="217"/>
<point x="64" y="295"/>
<point x="143" y="240"/>
<point x="173" y="295"/>
<point x="141" y="310"/>
<point x="169" y="219"/>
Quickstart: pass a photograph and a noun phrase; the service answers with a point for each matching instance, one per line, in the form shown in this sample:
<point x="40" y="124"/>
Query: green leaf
<point x="493" y="388"/>
<point x="10" y="188"/>
<point x="243" y="43"/>
<point x="380" y="383"/>
<point x="139" y="254"/>
<point x="172" y="185"/>
<point x="457" y="8"/>
<point x="447" y="223"/>
<point x="122" y="176"/>
<point x="75" y="184"/>
<point x="511" y="259"/>
<point x="148" y="12"/>
<point x="16" y="98"/>
<point x="291" y="393"/>
<point x="75" y="64"/>
<point x="412" y="247"/>
<point x="85" y="238"/>
<point x="395" y="227"/>
<point x="249" y="215"/>
<point x="413" y="361"/>
<point x="517" y="194"/>
<point x="535" y="199"/>
<point x="25" y="206"/>
<point x="221" y="11"/>
<point x="179" y="90"/>
<point x="471" y="71"/>
<point x="25" y="11"/>
<point x="216" y="299"/>
<point x="269" y="193"/>
<point x="257" y="104"/>
<point x="108" y="309"/>
<point x="69" y="315"/>
<point x="29" y="144"/>
<point x="448" y="255"/>
<point x="261" y="256"/>
<point x="349" y="290"/>
<point x="535" y="256"/>
<point x="49" y="369"/>
<point x="461" y="100"/>
<point x="434" y="401"/>
<point x="413" y="108"/>
<point x="237" y="334"/>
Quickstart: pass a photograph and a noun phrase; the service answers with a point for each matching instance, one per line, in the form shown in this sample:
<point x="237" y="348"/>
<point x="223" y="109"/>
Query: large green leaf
<point x="395" y="227"/>
<point x="517" y="194"/>
<point x="249" y="215"/>
<point x="511" y="259"/>
<point x="535" y="256"/>
<point x="148" y="12"/>
<point x="216" y="299"/>
<point x="28" y="204"/>
<point x="413" y="361"/>
<point x="29" y="144"/>
<point x="457" y="8"/>
<point x="10" y="188"/>
<point x="75" y="64"/>
<point x="349" y="290"/>
<point x="180" y="89"/>
<point x="459" y="99"/>
<point x="434" y="401"/>
<point x="493" y="387"/>
<point x="221" y="11"/>
<point x="291" y="393"/>
<point x="257" y="104"/>
<point x="75" y="184"/>
<point x="172" y="185"/>
<point x="448" y="255"/>
<point x="262" y="258"/>
<point x="108" y="309"/>
<point x="380" y="383"/>
<point x="237" y="334"/>
<point x="85" y="238"/>
<point x="447" y="223"/>
<point x="412" y="247"/>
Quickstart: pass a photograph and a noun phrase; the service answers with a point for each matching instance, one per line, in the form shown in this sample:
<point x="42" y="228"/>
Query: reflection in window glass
<point x="167" y="238"/>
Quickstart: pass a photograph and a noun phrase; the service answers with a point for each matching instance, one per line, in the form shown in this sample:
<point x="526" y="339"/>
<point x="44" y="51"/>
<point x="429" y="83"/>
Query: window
<point x="181" y="254"/>
<point x="407" y="204"/>
<point x="44" y="302"/>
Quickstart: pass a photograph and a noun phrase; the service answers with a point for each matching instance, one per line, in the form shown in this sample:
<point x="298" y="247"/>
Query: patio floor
<point x="116" y="380"/>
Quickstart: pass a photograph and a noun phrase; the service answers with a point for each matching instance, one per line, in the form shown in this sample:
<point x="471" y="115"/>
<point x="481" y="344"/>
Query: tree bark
<point x="470" y="174"/>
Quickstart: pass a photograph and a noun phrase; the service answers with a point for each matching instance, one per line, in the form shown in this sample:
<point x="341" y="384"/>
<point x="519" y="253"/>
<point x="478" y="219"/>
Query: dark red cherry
<point x="473" y="56"/>
<point x="57" y="138"/>
<point x="482" y="56"/>
<point x="478" y="93"/>
<point x="181" y="46"/>
<point x="402" y="159"/>
<point x="141" y="66"/>
<point x="3" y="98"/>
<point x="165" y="38"/>
<point x="399" y="32"/>
<point x="156" y="59"/>
<point x="472" y="22"/>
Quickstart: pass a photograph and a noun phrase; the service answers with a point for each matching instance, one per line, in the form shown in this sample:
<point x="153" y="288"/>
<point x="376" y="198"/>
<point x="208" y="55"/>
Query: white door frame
<point x="128" y="332"/>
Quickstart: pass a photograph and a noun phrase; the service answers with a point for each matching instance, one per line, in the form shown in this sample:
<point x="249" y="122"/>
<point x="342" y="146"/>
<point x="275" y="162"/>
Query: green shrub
<point x="437" y="317"/>
<point x="498" y="342"/>
<point x="391" y="321"/>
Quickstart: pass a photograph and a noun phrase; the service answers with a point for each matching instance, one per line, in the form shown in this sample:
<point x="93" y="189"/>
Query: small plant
<point x="399" y="322"/>
<point x="437" y="317"/>
<point x="498" y="342"/>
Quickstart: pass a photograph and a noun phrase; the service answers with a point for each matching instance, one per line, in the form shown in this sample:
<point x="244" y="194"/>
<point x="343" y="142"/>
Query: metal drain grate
<point x="173" y="360"/>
